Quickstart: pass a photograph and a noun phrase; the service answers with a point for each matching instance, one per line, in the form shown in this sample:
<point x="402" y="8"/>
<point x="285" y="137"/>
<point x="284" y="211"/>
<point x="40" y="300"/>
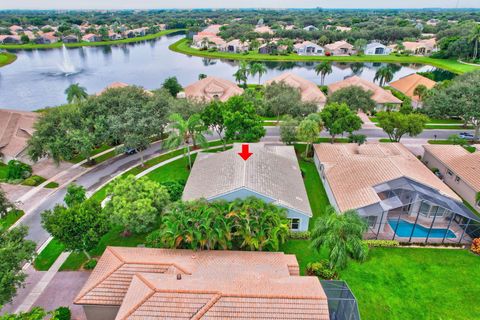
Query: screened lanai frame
<point x="446" y="221"/>
<point x="342" y="304"/>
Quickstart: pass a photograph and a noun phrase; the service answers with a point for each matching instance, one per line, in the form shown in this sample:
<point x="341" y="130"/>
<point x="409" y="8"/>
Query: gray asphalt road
<point x="112" y="167"/>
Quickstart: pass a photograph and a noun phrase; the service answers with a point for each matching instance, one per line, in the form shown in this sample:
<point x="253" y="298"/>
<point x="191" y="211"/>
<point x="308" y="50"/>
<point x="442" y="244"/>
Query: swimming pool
<point x="404" y="229"/>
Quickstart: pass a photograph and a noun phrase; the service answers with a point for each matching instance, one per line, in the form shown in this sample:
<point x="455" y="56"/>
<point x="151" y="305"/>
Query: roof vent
<point x="179" y="276"/>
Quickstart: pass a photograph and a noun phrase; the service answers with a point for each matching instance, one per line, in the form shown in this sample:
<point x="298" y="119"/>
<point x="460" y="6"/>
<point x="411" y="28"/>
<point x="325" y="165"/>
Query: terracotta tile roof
<point x="212" y="87"/>
<point x="263" y="29"/>
<point x="224" y="284"/>
<point x="380" y="95"/>
<point x="426" y="43"/>
<point x="213" y="29"/>
<point x="272" y="171"/>
<point x="213" y="284"/>
<point x="407" y="84"/>
<point x="308" y="89"/>
<point x="464" y="164"/>
<point x="16" y="127"/>
<point x="352" y="171"/>
<point x="338" y="45"/>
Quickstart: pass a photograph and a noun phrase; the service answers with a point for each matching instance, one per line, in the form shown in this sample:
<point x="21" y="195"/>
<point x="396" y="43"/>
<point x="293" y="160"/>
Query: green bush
<point x="382" y="243"/>
<point x="321" y="270"/>
<point x="90" y="264"/>
<point x="62" y="313"/>
<point x="300" y="235"/>
<point x="33" y="181"/>
<point x="174" y="188"/>
<point x="18" y="170"/>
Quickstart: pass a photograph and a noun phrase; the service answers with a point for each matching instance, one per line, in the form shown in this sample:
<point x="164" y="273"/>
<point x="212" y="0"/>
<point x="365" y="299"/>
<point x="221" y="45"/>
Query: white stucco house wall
<point x="377" y="49"/>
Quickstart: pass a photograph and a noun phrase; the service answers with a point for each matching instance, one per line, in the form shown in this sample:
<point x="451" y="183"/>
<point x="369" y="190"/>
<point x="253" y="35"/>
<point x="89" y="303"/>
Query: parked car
<point x="466" y="135"/>
<point x="130" y="151"/>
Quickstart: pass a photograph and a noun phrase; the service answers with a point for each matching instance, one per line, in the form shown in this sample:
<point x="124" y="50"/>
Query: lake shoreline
<point x="7" y="58"/>
<point x="454" y="66"/>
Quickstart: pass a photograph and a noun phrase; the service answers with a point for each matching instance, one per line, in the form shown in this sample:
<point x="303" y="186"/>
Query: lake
<point x="39" y="78"/>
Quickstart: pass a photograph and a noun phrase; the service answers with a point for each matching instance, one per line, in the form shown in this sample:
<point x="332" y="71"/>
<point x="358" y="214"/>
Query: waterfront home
<point x="396" y="194"/>
<point x="16" y="128"/>
<point x="458" y="168"/>
<point x="376" y="48"/>
<point x="202" y="41"/>
<point x="236" y="46"/>
<point x="47" y="38"/>
<point x="69" y="39"/>
<point x="308" y="48"/>
<point x="309" y="90"/>
<point x="114" y="36"/>
<point x="211" y="88"/>
<point x="339" y="48"/>
<point x="423" y="47"/>
<point x="272" y="174"/>
<point x="384" y="99"/>
<point x="31" y="36"/>
<point x="8" y="39"/>
<point x="91" y="37"/>
<point x="408" y="84"/>
<point x="15" y="29"/>
<point x="310" y="28"/>
<point x="150" y="283"/>
<point x="268" y="48"/>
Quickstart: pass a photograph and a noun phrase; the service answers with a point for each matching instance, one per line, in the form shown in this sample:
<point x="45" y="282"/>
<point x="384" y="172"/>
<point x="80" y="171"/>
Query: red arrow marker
<point x="245" y="154"/>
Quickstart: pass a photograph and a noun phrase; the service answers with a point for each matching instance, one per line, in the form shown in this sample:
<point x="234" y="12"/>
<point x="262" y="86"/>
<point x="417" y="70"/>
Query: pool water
<point x="404" y="229"/>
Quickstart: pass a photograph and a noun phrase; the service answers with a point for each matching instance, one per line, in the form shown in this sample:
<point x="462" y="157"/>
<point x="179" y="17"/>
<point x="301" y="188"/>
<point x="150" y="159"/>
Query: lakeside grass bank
<point x="6" y="58"/>
<point x="454" y="66"/>
<point x="30" y="46"/>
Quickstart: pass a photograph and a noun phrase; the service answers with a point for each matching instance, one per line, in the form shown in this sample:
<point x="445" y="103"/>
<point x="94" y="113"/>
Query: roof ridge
<point x="144" y="299"/>
<point x="201" y="312"/>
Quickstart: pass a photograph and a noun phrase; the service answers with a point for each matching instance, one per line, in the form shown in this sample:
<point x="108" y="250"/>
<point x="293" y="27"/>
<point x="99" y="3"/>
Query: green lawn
<point x="431" y="121"/>
<point x="49" y="254"/>
<point x="7" y="58"/>
<point x="88" y="44"/>
<point x="182" y="46"/>
<point x="11" y="217"/>
<point x="470" y="149"/>
<point x="3" y="171"/>
<point x="51" y="185"/>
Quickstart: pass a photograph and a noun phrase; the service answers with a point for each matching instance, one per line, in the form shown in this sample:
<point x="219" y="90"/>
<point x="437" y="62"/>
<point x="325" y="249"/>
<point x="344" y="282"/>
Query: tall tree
<point x="397" y="124"/>
<point x="279" y="99"/>
<point x="308" y="132"/>
<point x="241" y="75"/>
<point x="360" y="45"/>
<point x="421" y="92"/>
<point x="5" y="204"/>
<point x="15" y="251"/>
<point x="212" y="116"/>
<point x="75" y="93"/>
<point x="242" y="122"/>
<point x="171" y="84"/>
<point x="79" y="227"/>
<point x="258" y="68"/>
<point x="383" y="75"/>
<point x="136" y="204"/>
<point x="183" y="131"/>
<point x="288" y="130"/>
<point x="323" y="69"/>
<point x="338" y="119"/>
<point x="355" y="97"/>
<point x="341" y="234"/>
<point x="76" y="194"/>
<point x="474" y="37"/>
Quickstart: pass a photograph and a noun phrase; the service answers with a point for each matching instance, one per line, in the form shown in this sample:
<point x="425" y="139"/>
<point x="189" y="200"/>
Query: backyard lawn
<point x="10" y="219"/>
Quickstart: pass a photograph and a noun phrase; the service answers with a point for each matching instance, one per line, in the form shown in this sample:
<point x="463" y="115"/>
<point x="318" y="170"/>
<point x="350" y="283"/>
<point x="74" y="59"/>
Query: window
<point x="450" y="173"/>
<point x="457" y="179"/>
<point x="424" y="209"/>
<point x="372" y="221"/>
<point x="294" y="224"/>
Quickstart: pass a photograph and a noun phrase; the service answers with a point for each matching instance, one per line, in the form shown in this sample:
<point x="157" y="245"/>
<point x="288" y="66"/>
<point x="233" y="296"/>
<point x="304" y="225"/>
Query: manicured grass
<point x="431" y="121"/>
<point x="49" y="254"/>
<point x="175" y="170"/>
<point x="301" y="249"/>
<point x="51" y="185"/>
<point x="3" y="171"/>
<point x="385" y="140"/>
<point x="442" y="127"/>
<point x="98" y="150"/>
<point x="337" y="140"/>
<point x="182" y="46"/>
<point x="7" y="58"/>
<point x="470" y="149"/>
<point x="88" y="44"/>
<point x="406" y="283"/>
<point x="74" y="261"/>
<point x="11" y="217"/>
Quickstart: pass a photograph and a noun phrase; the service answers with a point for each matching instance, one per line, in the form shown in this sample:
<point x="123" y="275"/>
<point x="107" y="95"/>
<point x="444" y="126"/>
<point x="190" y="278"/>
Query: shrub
<point x="475" y="246"/>
<point x="321" y="270"/>
<point x="174" y="188"/>
<point x="33" y="181"/>
<point x="382" y="243"/>
<point x="18" y="170"/>
<point x="90" y="264"/>
<point x="357" y="138"/>
<point x="299" y="235"/>
<point x="435" y="170"/>
<point x="62" y="313"/>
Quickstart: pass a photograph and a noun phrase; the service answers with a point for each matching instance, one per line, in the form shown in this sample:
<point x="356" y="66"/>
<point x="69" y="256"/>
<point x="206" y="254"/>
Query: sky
<point x="186" y="4"/>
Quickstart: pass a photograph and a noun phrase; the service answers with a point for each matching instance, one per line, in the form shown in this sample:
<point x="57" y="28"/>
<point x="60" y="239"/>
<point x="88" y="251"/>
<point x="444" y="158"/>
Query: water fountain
<point x="67" y="66"/>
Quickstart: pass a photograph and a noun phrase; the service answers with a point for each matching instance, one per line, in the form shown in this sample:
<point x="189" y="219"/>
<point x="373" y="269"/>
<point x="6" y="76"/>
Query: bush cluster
<point x="321" y="269"/>
<point x="18" y="170"/>
<point x="299" y="235"/>
<point x="174" y="188"/>
<point x="33" y="181"/>
<point x="475" y="246"/>
<point x="381" y="243"/>
<point x="90" y="264"/>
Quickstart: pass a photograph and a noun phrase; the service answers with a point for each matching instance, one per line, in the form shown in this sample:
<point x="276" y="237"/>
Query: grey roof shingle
<point x="272" y="171"/>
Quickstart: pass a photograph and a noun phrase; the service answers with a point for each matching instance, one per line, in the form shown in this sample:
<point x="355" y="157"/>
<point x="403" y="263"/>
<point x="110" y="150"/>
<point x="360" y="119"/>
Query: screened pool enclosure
<point x="412" y="212"/>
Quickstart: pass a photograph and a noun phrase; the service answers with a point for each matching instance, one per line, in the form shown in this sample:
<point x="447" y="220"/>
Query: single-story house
<point x="263" y="29"/>
<point x="340" y="48"/>
<point x="309" y="90"/>
<point x="307" y="48"/>
<point x="16" y="128"/>
<point x="422" y="47"/>
<point x="150" y="283"/>
<point x="114" y="36"/>
<point x="408" y="84"/>
<point x="397" y="195"/>
<point x="381" y="96"/>
<point x="69" y="39"/>
<point x="310" y="28"/>
<point x="272" y="174"/>
<point x="8" y="39"/>
<point x="47" y="38"/>
<point x="268" y="48"/>
<point x="211" y="30"/>
<point x="459" y="169"/>
<point x="208" y="42"/>
<point x="376" y="48"/>
<point x="211" y="88"/>
<point x="15" y="29"/>
<point x="237" y="46"/>
<point x="91" y="37"/>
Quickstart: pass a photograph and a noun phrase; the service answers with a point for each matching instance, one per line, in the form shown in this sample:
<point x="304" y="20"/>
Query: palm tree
<point x="75" y="93"/>
<point x="323" y="69"/>
<point x="421" y="92"/>
<point x="241" y="75"/>
<point x="474" y="37"/>
<point x="341" y="234"/>
<point x="357" y="68"/>
<point x="258" y="68"/>
<point x="383" y="75"/>
<point x="182" y="131"/>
